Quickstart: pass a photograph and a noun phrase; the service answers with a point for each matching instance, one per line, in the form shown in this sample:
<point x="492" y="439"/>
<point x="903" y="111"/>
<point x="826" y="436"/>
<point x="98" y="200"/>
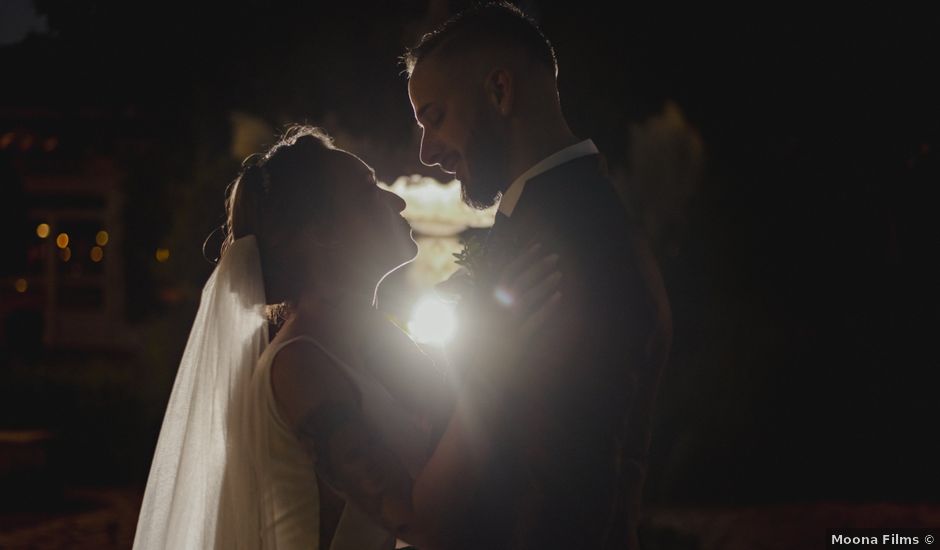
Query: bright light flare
<point x="432" y="321"/>
<point x="503" y="296"/>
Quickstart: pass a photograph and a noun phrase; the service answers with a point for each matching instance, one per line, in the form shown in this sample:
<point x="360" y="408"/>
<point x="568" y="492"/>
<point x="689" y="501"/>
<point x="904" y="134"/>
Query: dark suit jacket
<point x="571" y="454"/>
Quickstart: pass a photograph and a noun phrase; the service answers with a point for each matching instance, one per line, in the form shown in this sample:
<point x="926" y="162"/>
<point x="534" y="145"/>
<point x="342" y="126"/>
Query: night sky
<point x="800" y="268"/>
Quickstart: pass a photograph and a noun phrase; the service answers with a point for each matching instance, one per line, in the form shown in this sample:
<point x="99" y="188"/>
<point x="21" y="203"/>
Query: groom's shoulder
<point x="580" y="182"/>
<point x="579" y="196"/>
<point x="590" y="169"/>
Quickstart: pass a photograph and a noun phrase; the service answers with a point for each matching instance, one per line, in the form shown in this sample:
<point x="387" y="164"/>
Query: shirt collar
<point x="511" y="197"/>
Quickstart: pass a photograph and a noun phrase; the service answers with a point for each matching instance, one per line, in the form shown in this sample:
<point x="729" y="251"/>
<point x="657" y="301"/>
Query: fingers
<point x="535" y="321"/>
<point x="533" y="274"/>
<point x="524" y="273"/>
<point x="521" y="263"/>
<point x="527" y="295"/>
<point x="530" y="298"/>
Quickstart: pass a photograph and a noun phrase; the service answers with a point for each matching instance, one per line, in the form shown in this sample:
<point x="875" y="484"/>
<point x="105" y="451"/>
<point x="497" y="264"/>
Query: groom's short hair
<point x="497" y="23"/>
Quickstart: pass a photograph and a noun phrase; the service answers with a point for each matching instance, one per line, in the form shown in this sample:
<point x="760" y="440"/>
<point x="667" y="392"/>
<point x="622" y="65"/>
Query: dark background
<point x="800" y="268"/>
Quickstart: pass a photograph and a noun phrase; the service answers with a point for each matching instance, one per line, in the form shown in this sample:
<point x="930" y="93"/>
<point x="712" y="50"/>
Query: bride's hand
<point x="525" y="296"/>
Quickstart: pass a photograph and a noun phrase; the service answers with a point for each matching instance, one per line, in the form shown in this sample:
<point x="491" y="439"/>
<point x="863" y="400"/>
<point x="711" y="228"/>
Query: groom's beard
<point x="485" y="157"/>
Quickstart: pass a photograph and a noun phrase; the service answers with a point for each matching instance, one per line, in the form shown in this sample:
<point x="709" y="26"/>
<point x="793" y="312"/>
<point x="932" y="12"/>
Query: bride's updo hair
<point x="277" y="194"/>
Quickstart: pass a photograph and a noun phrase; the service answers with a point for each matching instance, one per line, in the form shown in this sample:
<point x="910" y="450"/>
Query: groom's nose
<point x="430" y="149"/>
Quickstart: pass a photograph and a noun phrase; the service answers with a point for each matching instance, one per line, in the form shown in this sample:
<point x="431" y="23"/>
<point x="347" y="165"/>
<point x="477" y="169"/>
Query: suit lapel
<point x="499" y="244"/>
<point x="510" y="235"/>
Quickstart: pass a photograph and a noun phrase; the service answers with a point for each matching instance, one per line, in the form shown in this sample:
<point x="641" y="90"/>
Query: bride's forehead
<point x="349" y="163"/>
<point x="351" y="169"/>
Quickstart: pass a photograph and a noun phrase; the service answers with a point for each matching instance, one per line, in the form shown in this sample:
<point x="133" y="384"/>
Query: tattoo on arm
<point x="352" y="459"/>
<point x="317" y="430"/>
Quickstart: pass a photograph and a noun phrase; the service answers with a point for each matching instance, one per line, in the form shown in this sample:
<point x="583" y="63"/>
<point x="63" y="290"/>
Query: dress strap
<point x="352" y="376"/>
<point x="313" y="341"/>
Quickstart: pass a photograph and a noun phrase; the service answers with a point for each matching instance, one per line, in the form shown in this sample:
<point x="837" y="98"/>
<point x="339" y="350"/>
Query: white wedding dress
<point x="288" y="494"/>
<point x="227" y="472"/>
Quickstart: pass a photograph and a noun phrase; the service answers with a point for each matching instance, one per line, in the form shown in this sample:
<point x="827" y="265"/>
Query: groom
<point x="570" y="449"/>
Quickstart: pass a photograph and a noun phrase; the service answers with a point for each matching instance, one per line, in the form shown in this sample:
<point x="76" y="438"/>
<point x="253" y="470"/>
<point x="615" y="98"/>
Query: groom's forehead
<point x="421" y="90"/>
<point x="430" y="81"/>
<point x="425" y="78"/>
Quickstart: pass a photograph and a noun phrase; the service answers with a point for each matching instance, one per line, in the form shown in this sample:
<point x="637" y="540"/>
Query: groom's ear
<point x="499" y="90"/>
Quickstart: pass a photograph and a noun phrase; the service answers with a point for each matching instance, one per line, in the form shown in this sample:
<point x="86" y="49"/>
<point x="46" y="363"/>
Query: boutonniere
<point x="472" y="257"/>
<point x="471" y="269"/>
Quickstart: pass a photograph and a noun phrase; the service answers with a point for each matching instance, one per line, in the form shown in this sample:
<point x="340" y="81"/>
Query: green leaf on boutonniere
<point x="471" y="257"/>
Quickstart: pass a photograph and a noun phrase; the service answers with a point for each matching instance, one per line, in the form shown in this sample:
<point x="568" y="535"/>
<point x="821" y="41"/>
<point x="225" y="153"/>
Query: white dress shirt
<point x="511" y="197"/>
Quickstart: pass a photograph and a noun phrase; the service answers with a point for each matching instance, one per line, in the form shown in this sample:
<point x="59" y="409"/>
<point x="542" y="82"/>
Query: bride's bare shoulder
<point x="304" y="377"/>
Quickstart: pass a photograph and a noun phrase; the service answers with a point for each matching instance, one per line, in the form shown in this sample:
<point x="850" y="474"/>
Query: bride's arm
<point x="322" y="406"/>
<point x="442" y="492"/>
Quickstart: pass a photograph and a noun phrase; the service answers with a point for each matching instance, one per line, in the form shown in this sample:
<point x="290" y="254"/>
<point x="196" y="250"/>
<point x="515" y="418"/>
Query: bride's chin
<point x="402" y="263"/>
<point x="407" y="252"/>
<point x="390" y="271"/>
<point x="412" y="248"/>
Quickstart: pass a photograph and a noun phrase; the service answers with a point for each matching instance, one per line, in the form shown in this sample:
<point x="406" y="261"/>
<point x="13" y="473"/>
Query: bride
<point x="338" y="433"/>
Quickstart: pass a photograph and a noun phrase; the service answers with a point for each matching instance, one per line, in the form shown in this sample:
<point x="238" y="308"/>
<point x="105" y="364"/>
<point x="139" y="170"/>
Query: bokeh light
<point x="62" y="241"/>
<point x="21" y="285"/>
<point x="65" y="254"/>
<point x="97" y="253"/>
<point x="438" y="215"/>
<point x="162" y="254"/>
<point x="42" y="230"/>
<point x="102" y="237"/>
<point x="435" y="208"/>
